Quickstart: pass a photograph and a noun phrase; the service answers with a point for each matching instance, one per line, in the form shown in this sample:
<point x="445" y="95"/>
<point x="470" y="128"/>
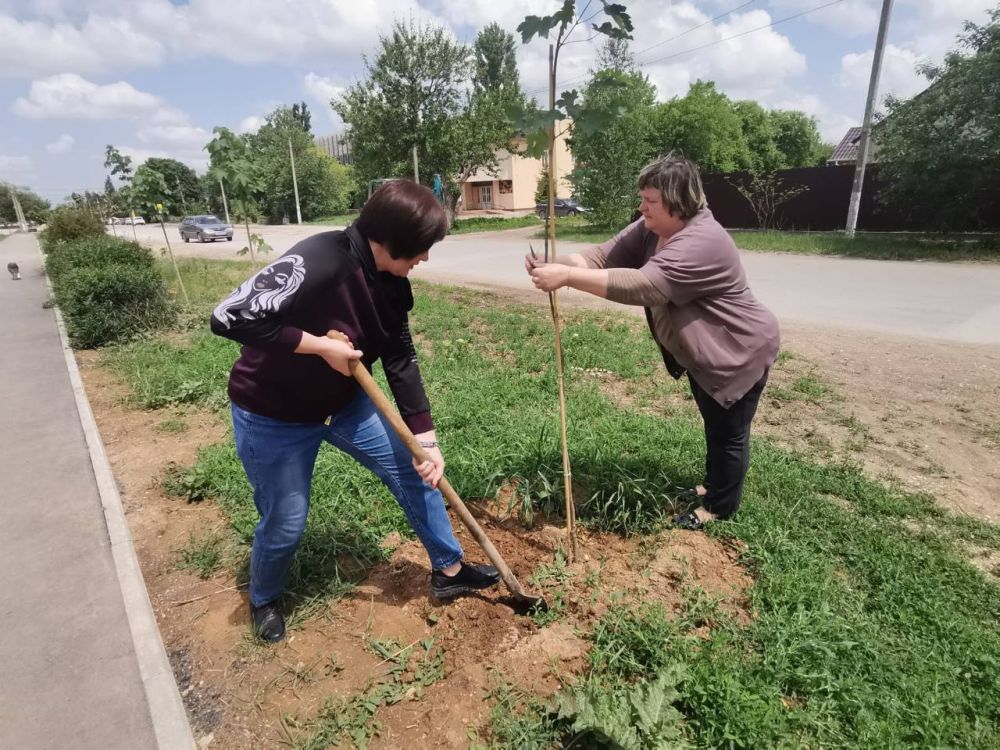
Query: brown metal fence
<point x="822" y="206"/>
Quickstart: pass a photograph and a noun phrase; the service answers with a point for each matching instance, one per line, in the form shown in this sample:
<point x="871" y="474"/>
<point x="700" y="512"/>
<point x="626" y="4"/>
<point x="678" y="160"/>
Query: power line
<point x="743" y="33"/>
<point x="772" y="24"/>
<point x="665" y="41"/>
<point x="695" y="28"/>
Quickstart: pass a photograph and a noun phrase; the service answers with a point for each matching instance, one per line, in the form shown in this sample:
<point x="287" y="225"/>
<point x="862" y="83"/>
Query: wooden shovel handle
<point x="368" y="384"/>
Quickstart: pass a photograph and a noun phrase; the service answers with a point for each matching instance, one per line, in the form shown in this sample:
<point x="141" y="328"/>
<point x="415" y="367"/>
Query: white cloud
<point x="101" y="43"/>
<point x="70" y="96"/>
<point x="744" y="57"/>
<point x="831" y="123"/>
<point x="123" y="34"/>
<point x="16" y="169"/>
<point x="61" y="145"/>
<point x="320" y="90"/>
<point x="250" y="124"/>
<point x="899" y="75"/>
<point x="850" y="17"/>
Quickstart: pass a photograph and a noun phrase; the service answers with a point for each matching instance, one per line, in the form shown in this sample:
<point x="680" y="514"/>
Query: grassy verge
<point x="864" y="245"/>
<point x="339" y="220"/>
<point x="871" y="245"/>
<point x="868" y="627"/>
<point x="493" y="223"/>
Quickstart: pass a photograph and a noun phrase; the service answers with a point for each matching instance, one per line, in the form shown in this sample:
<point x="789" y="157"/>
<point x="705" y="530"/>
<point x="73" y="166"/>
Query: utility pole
<point x="225" y="204"/>
<point x="180" y="192"/>
<point x="18" y="212"/>
<point x="416" y="168"/>
<point x="295" y="183"/>
<point x="864" y="144"/>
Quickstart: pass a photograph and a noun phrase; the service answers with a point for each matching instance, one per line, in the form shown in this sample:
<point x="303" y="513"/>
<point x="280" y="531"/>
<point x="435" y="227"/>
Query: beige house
<point x="513" y="187"/>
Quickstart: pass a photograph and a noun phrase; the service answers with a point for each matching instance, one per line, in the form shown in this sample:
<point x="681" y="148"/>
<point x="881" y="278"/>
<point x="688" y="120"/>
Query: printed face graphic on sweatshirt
<point x="264" y="291"/>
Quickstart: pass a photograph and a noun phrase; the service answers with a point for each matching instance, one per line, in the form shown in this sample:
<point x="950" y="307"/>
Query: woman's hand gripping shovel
<point x="364" y="378"/>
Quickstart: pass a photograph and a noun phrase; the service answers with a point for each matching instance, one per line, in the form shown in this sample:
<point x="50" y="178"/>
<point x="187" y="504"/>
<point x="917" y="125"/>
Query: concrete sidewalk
<point x="81" y="661"/>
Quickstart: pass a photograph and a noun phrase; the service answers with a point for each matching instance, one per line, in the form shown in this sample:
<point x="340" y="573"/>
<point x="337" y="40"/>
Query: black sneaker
<point x="470" y="578"/>
<point x="268" y="622"/>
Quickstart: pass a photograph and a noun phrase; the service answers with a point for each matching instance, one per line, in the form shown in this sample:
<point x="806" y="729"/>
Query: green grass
<point x="865" y="244"/>
<point x="340" y="220"/>
<point x="493" y="223"/>
<point x="868" y="628"/>
<point x="874" y="245"/>
<point x="577" y="229"/>
<point x="203" y="555"/>
<point x="462" y="226"/>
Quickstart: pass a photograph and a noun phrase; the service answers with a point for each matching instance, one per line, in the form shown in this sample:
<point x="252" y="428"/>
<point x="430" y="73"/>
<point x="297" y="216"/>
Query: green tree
<point x="301" y="114"/>
<point x="119" y="164"/>
<point x="609" y="159"/>
<point x="415" y="87"/>
<point x="120" y="167"/>
<point x="495" y="63"/>
<point x="759" y="133"/>
<point x="184" y="189"/>
<point x="798" y="140"/>
<point x="540" y="129"/>
<point x="704" y="126"/>
<point x="231" y="162"/>
<point x="616" y="54"/>
<point x="940" y="150"/>
<point x="323" y="182"/>
<point x="36" y="208"/>
<point x="151" y="193"/>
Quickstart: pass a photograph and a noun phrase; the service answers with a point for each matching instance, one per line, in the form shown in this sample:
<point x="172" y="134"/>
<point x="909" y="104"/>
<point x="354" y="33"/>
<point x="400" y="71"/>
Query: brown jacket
<point x="710" y="324"/>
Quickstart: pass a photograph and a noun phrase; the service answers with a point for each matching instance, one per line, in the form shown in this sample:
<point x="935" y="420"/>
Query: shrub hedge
<point x="108" y="289"/>
<point x="70" y="223"/>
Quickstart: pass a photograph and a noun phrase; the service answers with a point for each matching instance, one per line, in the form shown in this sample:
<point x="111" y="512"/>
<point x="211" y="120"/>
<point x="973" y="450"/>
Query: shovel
<point x="388" y="411"/>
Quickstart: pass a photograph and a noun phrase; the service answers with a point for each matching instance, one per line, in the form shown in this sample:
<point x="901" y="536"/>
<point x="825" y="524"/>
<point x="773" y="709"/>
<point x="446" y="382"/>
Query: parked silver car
<point x="204" y="228"/>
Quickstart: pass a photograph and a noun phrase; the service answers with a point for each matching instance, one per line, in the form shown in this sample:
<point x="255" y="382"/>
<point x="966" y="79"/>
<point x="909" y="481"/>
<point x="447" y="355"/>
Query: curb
<point x="170" y="722"/>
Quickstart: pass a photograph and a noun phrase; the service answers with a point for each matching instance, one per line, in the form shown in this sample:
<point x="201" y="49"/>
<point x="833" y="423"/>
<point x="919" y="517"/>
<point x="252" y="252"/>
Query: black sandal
<point x="689" y="521"/>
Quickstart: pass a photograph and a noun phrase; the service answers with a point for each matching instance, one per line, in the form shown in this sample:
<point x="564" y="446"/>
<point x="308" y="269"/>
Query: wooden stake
<point x="180" y="282"/>
<point x="253" y="258"/>
<point x="557" y="322"/>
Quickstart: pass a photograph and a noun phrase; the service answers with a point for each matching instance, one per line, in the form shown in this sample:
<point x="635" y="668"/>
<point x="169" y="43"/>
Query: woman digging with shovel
<point x="291" y="387"/>
<point x="681" y="265"/>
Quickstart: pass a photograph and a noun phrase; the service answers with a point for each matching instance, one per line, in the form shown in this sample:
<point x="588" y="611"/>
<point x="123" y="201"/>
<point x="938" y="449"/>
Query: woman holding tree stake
<point x="681" y="265"/>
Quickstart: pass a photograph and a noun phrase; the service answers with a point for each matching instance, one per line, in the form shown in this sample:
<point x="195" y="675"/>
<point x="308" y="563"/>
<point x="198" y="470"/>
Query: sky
<point x="153" y="77"/>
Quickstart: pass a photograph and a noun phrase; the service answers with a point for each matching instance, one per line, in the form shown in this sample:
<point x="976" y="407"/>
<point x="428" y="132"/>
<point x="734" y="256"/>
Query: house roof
<point x="846" y="151"/>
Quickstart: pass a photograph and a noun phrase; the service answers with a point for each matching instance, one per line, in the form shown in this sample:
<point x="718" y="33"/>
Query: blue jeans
<point x="279" y="458"/>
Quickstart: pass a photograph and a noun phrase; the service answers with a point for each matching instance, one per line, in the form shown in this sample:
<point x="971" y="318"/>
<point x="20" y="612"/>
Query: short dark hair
<point x="679" y="184"/>
<point x="405" y="217"/>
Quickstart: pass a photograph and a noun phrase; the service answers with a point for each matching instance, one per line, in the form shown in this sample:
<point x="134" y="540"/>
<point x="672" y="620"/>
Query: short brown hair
<point x="405" y="217"/>
<point x="679" y="184"/>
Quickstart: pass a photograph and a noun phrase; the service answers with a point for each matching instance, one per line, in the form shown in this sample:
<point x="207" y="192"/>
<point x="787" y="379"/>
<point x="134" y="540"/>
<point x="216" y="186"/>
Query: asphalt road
<point x="957" y="302"/>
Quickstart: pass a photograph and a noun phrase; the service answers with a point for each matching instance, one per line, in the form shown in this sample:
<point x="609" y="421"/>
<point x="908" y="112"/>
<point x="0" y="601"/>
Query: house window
<point x="506" y="186"/>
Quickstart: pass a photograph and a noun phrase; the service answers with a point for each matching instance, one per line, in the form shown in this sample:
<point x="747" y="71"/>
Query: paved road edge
<point x="166" y="708"/>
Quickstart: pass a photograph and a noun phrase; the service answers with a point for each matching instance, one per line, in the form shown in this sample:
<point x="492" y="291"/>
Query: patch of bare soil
<point x="237" y="691"/>
<point x="926" y="413"/>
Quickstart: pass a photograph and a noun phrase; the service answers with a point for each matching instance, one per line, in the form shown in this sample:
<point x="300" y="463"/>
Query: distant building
<point x="513" y="187"/>
<point x="846" y="152"/>
<point x="338" y="146"/>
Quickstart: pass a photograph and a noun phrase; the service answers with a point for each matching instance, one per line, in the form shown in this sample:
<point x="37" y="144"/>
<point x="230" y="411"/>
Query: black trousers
<point x="727" y="435"/>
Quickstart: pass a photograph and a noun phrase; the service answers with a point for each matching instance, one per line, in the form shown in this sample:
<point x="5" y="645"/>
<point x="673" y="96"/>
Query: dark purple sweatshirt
<point x="327" y="281"/>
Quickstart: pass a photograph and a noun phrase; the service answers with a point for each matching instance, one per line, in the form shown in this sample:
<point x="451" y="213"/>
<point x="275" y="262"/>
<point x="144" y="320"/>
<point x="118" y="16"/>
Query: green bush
<point x="70" y="223"/>
<point x="94" y="252"/>
<point x="110" y="303"/>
